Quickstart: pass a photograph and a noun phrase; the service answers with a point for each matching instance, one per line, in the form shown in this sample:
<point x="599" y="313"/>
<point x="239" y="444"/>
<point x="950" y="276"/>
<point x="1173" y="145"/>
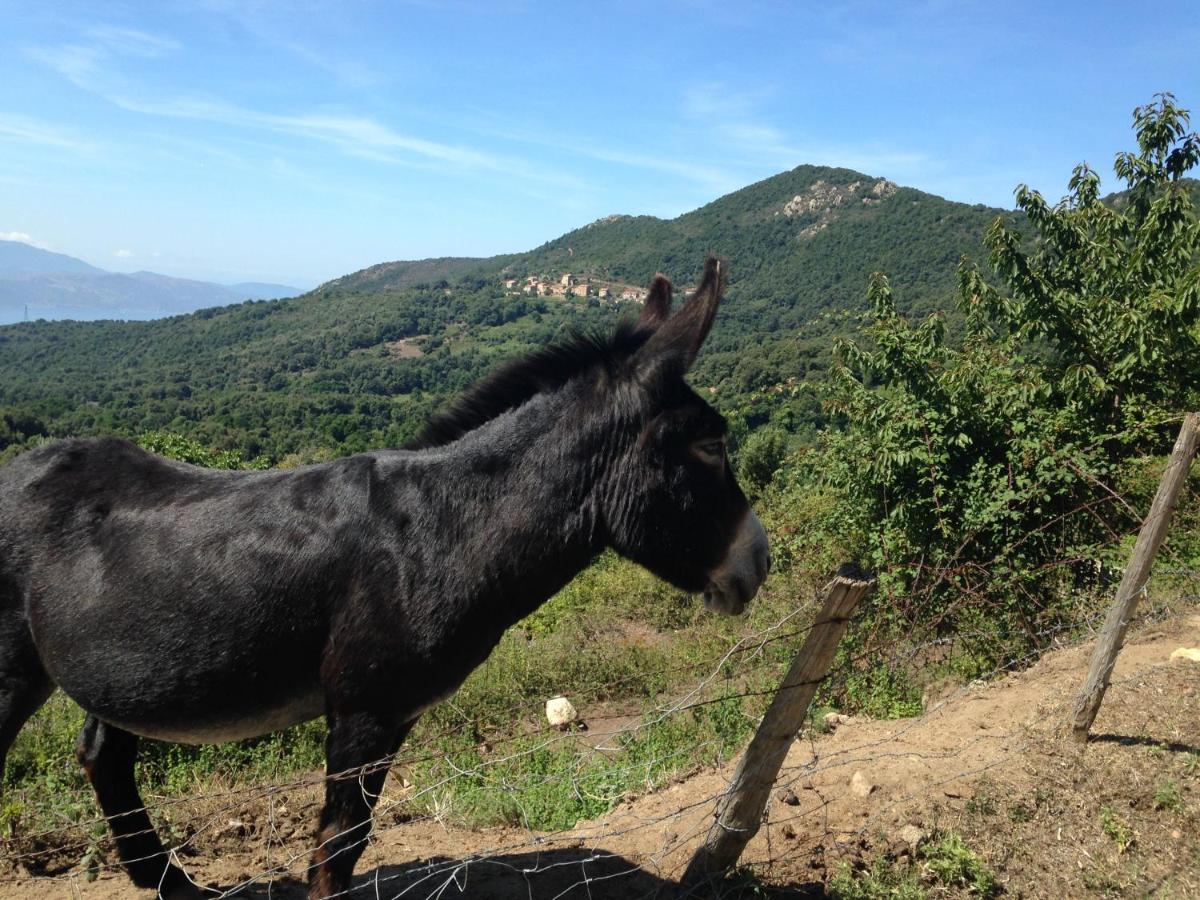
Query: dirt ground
<point x="1119" y="817"/>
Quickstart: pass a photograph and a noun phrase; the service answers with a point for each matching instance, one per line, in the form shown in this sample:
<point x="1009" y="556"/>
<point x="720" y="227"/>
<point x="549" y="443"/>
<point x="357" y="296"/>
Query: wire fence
<point x="650" y="792"/>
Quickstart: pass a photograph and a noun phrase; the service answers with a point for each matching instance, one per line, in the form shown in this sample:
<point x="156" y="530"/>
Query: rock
<point x="911" y="836"/>
<point x="234" y="828"/>
<point x="788" y="796"/>
<point x="860" y="786"/>
<point x="561" y="713"/>
<point x="884" y="188"/>
<point x="1190" y="654"/>
<point x="834" y="719"/>
<point x="789" y="832"/>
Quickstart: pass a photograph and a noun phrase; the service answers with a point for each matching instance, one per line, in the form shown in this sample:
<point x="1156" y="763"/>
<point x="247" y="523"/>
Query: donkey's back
<point x="178" y="602"/>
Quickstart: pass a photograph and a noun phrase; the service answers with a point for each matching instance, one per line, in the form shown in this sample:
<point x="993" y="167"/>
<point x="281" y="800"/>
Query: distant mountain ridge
<point x="360" y="361"/>
<point x="39" y="284"/>
<point x="17" y="258"/>
<point x="797" y="243"/>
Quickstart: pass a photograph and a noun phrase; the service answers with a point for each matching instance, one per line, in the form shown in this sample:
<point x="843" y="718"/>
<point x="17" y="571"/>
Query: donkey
<point x="194" y="605"/>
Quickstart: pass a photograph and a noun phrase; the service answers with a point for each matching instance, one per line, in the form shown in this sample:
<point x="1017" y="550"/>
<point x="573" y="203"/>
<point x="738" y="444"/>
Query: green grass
<point x="945" y="864"/>
<point x="1118" y="829"/>
<point x="951" y="863"/>
<point x="1167" y="796"/>
<point x="548" y="782"/>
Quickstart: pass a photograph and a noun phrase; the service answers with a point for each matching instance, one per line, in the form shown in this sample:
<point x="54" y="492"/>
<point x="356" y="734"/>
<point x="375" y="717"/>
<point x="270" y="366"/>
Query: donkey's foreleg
<point x="24" y="684"/>
<point x="358" y="752"/>
<point x="107" y="755"/>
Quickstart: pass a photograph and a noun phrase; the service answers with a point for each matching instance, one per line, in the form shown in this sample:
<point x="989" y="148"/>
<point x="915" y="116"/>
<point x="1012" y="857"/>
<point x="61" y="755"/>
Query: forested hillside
<point x="984" y="435"/>
<point x="361" y="360"/>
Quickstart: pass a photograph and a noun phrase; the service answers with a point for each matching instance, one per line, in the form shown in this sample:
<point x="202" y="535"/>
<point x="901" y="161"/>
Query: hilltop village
<point x="568" y="285"/>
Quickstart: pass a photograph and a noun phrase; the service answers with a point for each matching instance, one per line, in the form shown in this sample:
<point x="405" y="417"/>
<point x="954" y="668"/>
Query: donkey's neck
<point x="515" y="505"/>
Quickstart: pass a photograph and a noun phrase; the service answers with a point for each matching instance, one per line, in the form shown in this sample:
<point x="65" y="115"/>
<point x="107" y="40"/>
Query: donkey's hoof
<point x="177" y="886"/>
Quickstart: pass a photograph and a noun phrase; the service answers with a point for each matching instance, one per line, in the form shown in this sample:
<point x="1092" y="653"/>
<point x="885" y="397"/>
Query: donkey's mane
<point x="520" y="380"/>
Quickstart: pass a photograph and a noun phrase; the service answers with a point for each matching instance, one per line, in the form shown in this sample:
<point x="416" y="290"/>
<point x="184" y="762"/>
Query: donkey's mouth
<point x="724" y="600"/>
<point x="735" y="582"/>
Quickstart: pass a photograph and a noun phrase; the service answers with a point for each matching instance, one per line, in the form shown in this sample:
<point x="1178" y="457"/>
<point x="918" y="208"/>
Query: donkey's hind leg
<point x="108" y="754"/>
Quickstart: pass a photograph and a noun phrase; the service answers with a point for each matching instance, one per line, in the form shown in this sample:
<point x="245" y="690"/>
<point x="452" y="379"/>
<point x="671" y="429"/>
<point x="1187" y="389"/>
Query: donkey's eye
<point x="711" y="451"/>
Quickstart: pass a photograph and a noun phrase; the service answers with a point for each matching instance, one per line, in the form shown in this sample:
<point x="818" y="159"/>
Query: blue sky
<point x="297" y="141"/>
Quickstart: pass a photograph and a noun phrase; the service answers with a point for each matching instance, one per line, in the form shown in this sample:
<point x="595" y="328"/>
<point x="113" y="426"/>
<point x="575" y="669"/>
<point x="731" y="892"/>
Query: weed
<point x="1019" y="813"/>
<point x="882" y="692"/>
<point x="1167" y="796"/>
<point x="882" y="881"/>
<point x="947" y="863"/>
<point x="1191" y="764"/>
<point x="1116" y="828"/>
<point x="951" y="863"/>
<point x="1101" y="878"/>
<point x="982" y="804"/>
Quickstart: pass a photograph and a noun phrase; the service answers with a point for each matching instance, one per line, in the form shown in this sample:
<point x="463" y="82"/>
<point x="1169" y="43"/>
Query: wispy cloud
<point x="91" y="67"/>
<point x="354" y="135"/>
<point x="123" y="254"/>
<point x="272" y="24"/>
<point x="24" y="238"/>
<point x="735" y="124"/>
<point x="84" y="62"/>
<point x="709" y="176"/>
<point x="132" y="42"/>
<point x="30" y="131"/>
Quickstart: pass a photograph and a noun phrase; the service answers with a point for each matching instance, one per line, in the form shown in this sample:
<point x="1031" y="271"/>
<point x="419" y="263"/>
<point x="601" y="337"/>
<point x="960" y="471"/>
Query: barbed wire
<point x="754" y="677"/>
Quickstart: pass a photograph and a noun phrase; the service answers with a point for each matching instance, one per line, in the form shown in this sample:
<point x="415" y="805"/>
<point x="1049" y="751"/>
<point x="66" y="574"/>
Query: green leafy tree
<point x="1112" y="286"/>
<point x="974" y="474"/>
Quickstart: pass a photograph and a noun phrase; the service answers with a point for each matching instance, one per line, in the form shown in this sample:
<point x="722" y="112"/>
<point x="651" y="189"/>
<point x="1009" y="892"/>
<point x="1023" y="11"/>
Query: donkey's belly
<point x="207" y="717"/>
<point x="214" y="729"/>
<point x="189" y="678"/>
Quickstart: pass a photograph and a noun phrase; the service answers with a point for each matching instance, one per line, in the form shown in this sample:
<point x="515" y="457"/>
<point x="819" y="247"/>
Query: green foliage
<point x="1168" y="796"/>
<point x="973" y="473"/>
<point x="761" y="456"/>
<point x="952" y="863"/>
<point x="184" y="449"/>
<point x="880" y="691"/>
<point x="946" y="863"/>
<point x="1117" y="828"/>
<point x="1113" y="288"/>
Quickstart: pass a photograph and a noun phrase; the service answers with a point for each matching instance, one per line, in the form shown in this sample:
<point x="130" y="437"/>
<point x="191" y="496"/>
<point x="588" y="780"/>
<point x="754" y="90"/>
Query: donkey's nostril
<point x="762" y="562"/>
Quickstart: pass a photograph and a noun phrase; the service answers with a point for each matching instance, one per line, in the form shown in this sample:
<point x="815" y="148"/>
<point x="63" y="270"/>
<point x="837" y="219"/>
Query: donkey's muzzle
<point x="735" y="582"/>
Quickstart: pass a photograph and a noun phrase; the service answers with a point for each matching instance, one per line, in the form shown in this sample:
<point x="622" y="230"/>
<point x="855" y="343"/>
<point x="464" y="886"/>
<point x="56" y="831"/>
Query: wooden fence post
<point x="1137" y="572"/>
<point x="740" y="809"/>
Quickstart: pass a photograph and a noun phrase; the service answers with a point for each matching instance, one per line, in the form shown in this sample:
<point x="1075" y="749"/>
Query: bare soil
<point x="1117" y="817"/>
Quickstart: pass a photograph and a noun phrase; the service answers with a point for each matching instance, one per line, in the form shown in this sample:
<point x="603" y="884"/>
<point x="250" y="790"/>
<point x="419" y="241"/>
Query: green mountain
<point x="361" y="360"/>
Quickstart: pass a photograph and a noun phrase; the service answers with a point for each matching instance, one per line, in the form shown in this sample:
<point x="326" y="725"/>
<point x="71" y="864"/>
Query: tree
<point x="1112" y="285"/>
<point x="975" y="474"/>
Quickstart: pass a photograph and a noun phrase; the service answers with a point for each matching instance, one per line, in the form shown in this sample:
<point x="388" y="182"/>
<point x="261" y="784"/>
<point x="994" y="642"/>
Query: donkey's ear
<point x="678" y="340"/>
<point x="658" y="304"/>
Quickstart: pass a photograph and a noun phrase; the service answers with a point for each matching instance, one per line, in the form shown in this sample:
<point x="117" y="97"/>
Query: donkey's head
<point x="646" y="461"/>
<point x="673" y="504"/>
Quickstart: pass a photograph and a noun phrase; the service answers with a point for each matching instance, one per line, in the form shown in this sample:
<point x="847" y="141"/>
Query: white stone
<point x="911" y="836"/>
<point x="860" y="786"/>
<point x="1187" y="653"/>
<point x="834" y="719"/>
<point x="560" y="712"/>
